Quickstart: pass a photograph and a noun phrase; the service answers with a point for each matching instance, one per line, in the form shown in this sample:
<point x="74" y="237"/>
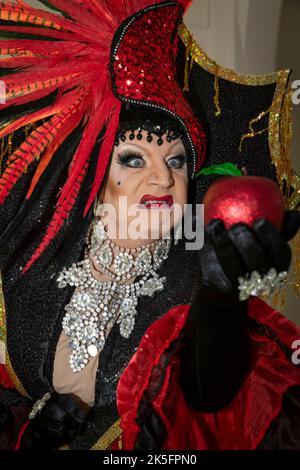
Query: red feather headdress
<point x="95" y="54"/>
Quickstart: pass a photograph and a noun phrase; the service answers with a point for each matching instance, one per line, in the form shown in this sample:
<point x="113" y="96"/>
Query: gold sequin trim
<point x="280" y="130"/>
<point x="200" y="57"/>
<point x="296" y="266"/>
<point x="2" y="326"/>
<point x="252" y="132"/>
<point x="105" y="441"/>
<point x="5" y="147"/>
<point x="218" y="111"/>
<point x="294" y="199"/>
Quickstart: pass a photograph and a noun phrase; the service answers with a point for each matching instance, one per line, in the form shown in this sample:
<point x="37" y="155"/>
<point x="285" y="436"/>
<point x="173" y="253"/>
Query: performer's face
<point x="139" y="168"/>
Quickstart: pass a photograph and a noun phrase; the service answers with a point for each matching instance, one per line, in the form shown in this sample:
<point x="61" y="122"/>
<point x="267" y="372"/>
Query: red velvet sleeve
<point x="240" y="426"/>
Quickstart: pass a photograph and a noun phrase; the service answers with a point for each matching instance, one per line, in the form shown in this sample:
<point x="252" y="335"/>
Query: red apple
<point x="237" y="199"/>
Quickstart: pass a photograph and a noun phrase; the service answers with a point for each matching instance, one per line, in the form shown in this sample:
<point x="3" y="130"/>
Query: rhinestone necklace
<point x="128" y="262"/>
<point x="96" y="305"/>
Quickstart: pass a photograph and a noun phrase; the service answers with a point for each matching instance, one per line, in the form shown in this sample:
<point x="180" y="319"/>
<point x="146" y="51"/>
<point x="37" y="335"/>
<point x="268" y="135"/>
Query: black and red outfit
<point x="201" y="370"/>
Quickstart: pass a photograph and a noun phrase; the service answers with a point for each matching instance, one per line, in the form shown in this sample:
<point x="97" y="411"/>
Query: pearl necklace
<point x="96" y="305"/>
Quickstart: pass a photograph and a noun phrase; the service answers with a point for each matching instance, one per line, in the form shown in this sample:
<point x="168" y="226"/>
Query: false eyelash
<point x="127" y="155"/>
<point x="182" y="156"/>
<point x="182" y="159"/>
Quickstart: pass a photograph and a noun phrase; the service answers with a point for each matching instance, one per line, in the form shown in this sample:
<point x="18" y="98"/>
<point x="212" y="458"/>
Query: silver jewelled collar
<point x="97" y="305"/>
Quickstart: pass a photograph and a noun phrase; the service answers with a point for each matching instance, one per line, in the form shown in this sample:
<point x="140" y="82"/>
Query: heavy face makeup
<point x="143" y="171"/>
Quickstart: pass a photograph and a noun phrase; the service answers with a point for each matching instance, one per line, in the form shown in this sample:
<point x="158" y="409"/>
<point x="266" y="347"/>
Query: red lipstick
<point x="149" y="200"/>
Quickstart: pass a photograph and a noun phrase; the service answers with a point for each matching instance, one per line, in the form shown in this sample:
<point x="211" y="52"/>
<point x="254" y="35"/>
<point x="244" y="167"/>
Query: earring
<point x="177" y="233"/>
<point x="97" y="207"/>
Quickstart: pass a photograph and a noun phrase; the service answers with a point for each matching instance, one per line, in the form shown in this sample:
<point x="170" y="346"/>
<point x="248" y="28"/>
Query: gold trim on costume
<point x="280" y="133"/>
<point x="294" y="200"/>
<point x="3" y="337"/>
<point x="2" y="327"/>
<point x="199" y="55"/>
<point x="105" y="441"/>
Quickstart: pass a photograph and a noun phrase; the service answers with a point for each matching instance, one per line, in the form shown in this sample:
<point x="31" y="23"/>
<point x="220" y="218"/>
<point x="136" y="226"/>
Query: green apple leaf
<point x="228" y="169"/>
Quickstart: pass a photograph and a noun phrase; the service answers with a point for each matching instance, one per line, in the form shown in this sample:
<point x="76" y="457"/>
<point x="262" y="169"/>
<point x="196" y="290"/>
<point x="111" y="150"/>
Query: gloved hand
<point x="57" y="424"/>
<point x="216" y="348"/>
<point x="240" y="250"/>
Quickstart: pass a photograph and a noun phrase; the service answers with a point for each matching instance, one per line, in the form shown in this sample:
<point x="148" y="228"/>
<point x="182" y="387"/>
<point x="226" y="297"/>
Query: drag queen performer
<point x="133" y="343"/>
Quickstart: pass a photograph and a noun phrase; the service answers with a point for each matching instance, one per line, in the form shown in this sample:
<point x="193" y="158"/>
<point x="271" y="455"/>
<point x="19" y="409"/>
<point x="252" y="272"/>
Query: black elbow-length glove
<point x="215" y="345"/>
<point x="61" y="420"/>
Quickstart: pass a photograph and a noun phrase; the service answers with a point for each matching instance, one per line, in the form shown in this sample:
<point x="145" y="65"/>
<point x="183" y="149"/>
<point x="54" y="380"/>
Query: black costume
<point x="175" y="351"/>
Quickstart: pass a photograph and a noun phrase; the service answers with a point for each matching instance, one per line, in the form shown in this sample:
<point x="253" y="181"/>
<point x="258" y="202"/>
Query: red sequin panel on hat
<point x="144" y="69"/>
